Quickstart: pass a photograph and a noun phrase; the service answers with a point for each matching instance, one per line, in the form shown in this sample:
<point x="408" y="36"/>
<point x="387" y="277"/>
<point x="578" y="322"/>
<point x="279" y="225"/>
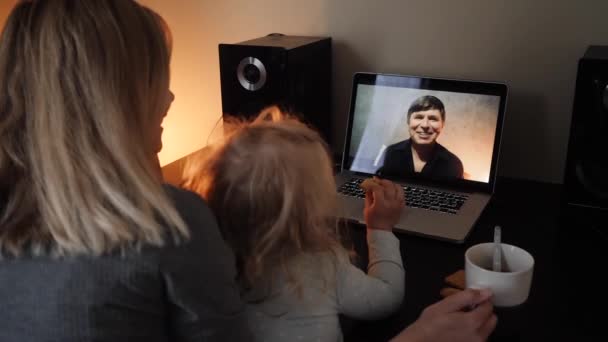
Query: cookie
<point x="369" y="184"/>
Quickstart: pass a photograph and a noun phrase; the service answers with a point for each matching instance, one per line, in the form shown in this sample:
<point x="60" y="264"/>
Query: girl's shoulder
<point x="320" y="267"/>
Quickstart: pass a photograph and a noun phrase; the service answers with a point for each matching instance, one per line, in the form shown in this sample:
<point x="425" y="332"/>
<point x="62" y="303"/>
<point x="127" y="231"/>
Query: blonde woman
<point x="92" y="246"/>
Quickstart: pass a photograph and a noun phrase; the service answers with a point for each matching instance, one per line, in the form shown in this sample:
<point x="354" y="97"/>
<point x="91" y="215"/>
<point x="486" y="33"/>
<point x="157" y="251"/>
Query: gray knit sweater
<point x="175" y="293"/>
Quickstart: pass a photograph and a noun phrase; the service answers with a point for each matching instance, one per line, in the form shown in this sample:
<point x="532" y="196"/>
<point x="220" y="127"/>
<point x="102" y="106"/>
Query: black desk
<point x="559" y="304"/>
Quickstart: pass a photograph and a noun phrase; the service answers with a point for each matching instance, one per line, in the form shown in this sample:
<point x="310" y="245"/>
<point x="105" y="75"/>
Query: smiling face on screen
<point x="425" y="118"/>
<point x="425" y="126"/>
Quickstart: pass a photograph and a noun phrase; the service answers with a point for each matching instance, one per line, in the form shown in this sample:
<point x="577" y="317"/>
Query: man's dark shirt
<point x="399" y="163"/>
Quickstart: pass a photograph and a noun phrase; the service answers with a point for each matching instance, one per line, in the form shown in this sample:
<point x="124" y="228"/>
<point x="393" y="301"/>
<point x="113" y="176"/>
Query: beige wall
<point x="533" y="46"/>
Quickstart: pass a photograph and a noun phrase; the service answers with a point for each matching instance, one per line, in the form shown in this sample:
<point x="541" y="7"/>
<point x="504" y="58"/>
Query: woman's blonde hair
<point x="270" y="184"/>
<point x="80" y="84"/>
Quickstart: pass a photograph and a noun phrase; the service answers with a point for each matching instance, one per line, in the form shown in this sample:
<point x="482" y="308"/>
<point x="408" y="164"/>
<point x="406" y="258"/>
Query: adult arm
<point x="200" y="280"/>
<point x="466" y="316"/>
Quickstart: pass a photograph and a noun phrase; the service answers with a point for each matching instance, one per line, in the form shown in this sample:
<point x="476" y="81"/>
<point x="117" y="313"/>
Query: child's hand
<point x="384" y="202"/>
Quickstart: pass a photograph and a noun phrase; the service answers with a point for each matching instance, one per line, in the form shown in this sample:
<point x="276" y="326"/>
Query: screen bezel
<point x="437" y="84"/>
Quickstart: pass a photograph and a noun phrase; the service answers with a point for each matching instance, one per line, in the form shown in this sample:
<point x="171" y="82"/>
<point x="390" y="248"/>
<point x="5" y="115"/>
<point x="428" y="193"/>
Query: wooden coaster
<point x="456" y="280"/>
<point x="448" y="291"/>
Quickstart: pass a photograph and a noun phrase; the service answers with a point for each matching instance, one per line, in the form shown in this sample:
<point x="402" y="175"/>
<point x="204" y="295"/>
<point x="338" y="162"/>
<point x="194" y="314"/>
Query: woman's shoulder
<point x="184" y="199"/>
<point x="192" y="208"/>
<point x="205" y="240"/>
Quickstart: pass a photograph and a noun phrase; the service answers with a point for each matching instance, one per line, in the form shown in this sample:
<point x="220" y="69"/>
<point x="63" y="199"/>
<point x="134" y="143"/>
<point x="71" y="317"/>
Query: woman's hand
<point x="466" y="316"/>
<point x="384" y="201"/>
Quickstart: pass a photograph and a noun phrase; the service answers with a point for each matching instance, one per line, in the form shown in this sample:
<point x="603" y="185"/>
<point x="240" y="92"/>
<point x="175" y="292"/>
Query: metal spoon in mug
<point x="496" y="260"/>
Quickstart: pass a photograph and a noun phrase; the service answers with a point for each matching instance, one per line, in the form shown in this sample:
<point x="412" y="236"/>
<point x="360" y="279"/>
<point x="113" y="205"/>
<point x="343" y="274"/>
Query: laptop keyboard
<point x="415" y="197"/>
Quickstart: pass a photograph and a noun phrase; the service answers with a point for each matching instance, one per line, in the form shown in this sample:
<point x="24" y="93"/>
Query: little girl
<point x="272" y="189"/>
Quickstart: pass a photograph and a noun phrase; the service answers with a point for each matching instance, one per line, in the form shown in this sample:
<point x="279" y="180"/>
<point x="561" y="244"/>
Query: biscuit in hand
<point x="369" y="184"/>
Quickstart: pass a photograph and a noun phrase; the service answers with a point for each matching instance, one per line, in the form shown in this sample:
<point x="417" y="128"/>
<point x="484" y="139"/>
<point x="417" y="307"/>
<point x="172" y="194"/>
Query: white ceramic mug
<point x="510" y="288"/>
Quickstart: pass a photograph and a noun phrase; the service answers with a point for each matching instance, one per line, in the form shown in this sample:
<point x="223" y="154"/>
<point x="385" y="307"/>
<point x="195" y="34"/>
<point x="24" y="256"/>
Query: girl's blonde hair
<point x="80" y="85"/>
<point x="271" y="186"/>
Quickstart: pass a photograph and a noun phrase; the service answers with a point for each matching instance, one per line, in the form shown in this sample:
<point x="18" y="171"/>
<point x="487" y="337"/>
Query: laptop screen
<point x="405" y="128"/>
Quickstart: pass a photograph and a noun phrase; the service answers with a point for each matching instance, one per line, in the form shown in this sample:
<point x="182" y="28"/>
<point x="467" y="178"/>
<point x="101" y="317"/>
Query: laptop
<point x="438" y="138"/>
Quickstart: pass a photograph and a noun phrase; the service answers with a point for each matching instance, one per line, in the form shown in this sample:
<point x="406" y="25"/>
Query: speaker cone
<point x="251" y="73"/>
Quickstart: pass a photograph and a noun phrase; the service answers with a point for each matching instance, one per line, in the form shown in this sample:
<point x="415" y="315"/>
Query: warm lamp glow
<point x="197" y="28"/>
<point x="193" y="118"/>
<point x="182" y="137"/>
<point x="5" y="9"/>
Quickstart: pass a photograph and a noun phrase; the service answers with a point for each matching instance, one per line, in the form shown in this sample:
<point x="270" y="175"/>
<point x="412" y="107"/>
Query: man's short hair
<point x="424" y="103"/>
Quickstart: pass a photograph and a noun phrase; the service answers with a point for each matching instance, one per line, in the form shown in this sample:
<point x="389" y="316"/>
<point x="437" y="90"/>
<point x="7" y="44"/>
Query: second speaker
<point x="586" y="179"/>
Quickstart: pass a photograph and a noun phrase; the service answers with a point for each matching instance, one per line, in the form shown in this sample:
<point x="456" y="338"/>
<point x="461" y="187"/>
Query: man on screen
<point x="421" y="153"/>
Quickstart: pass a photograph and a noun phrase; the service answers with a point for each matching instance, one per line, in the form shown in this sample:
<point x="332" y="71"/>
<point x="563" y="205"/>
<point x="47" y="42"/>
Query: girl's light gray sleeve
<point x="379" y="292"/>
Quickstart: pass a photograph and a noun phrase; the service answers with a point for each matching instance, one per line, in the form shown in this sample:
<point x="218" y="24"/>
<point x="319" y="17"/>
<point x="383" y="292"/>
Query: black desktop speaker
<point x="292" y="72"/>
<point x="583" y="219"/>
<point x="586" y="177"/>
